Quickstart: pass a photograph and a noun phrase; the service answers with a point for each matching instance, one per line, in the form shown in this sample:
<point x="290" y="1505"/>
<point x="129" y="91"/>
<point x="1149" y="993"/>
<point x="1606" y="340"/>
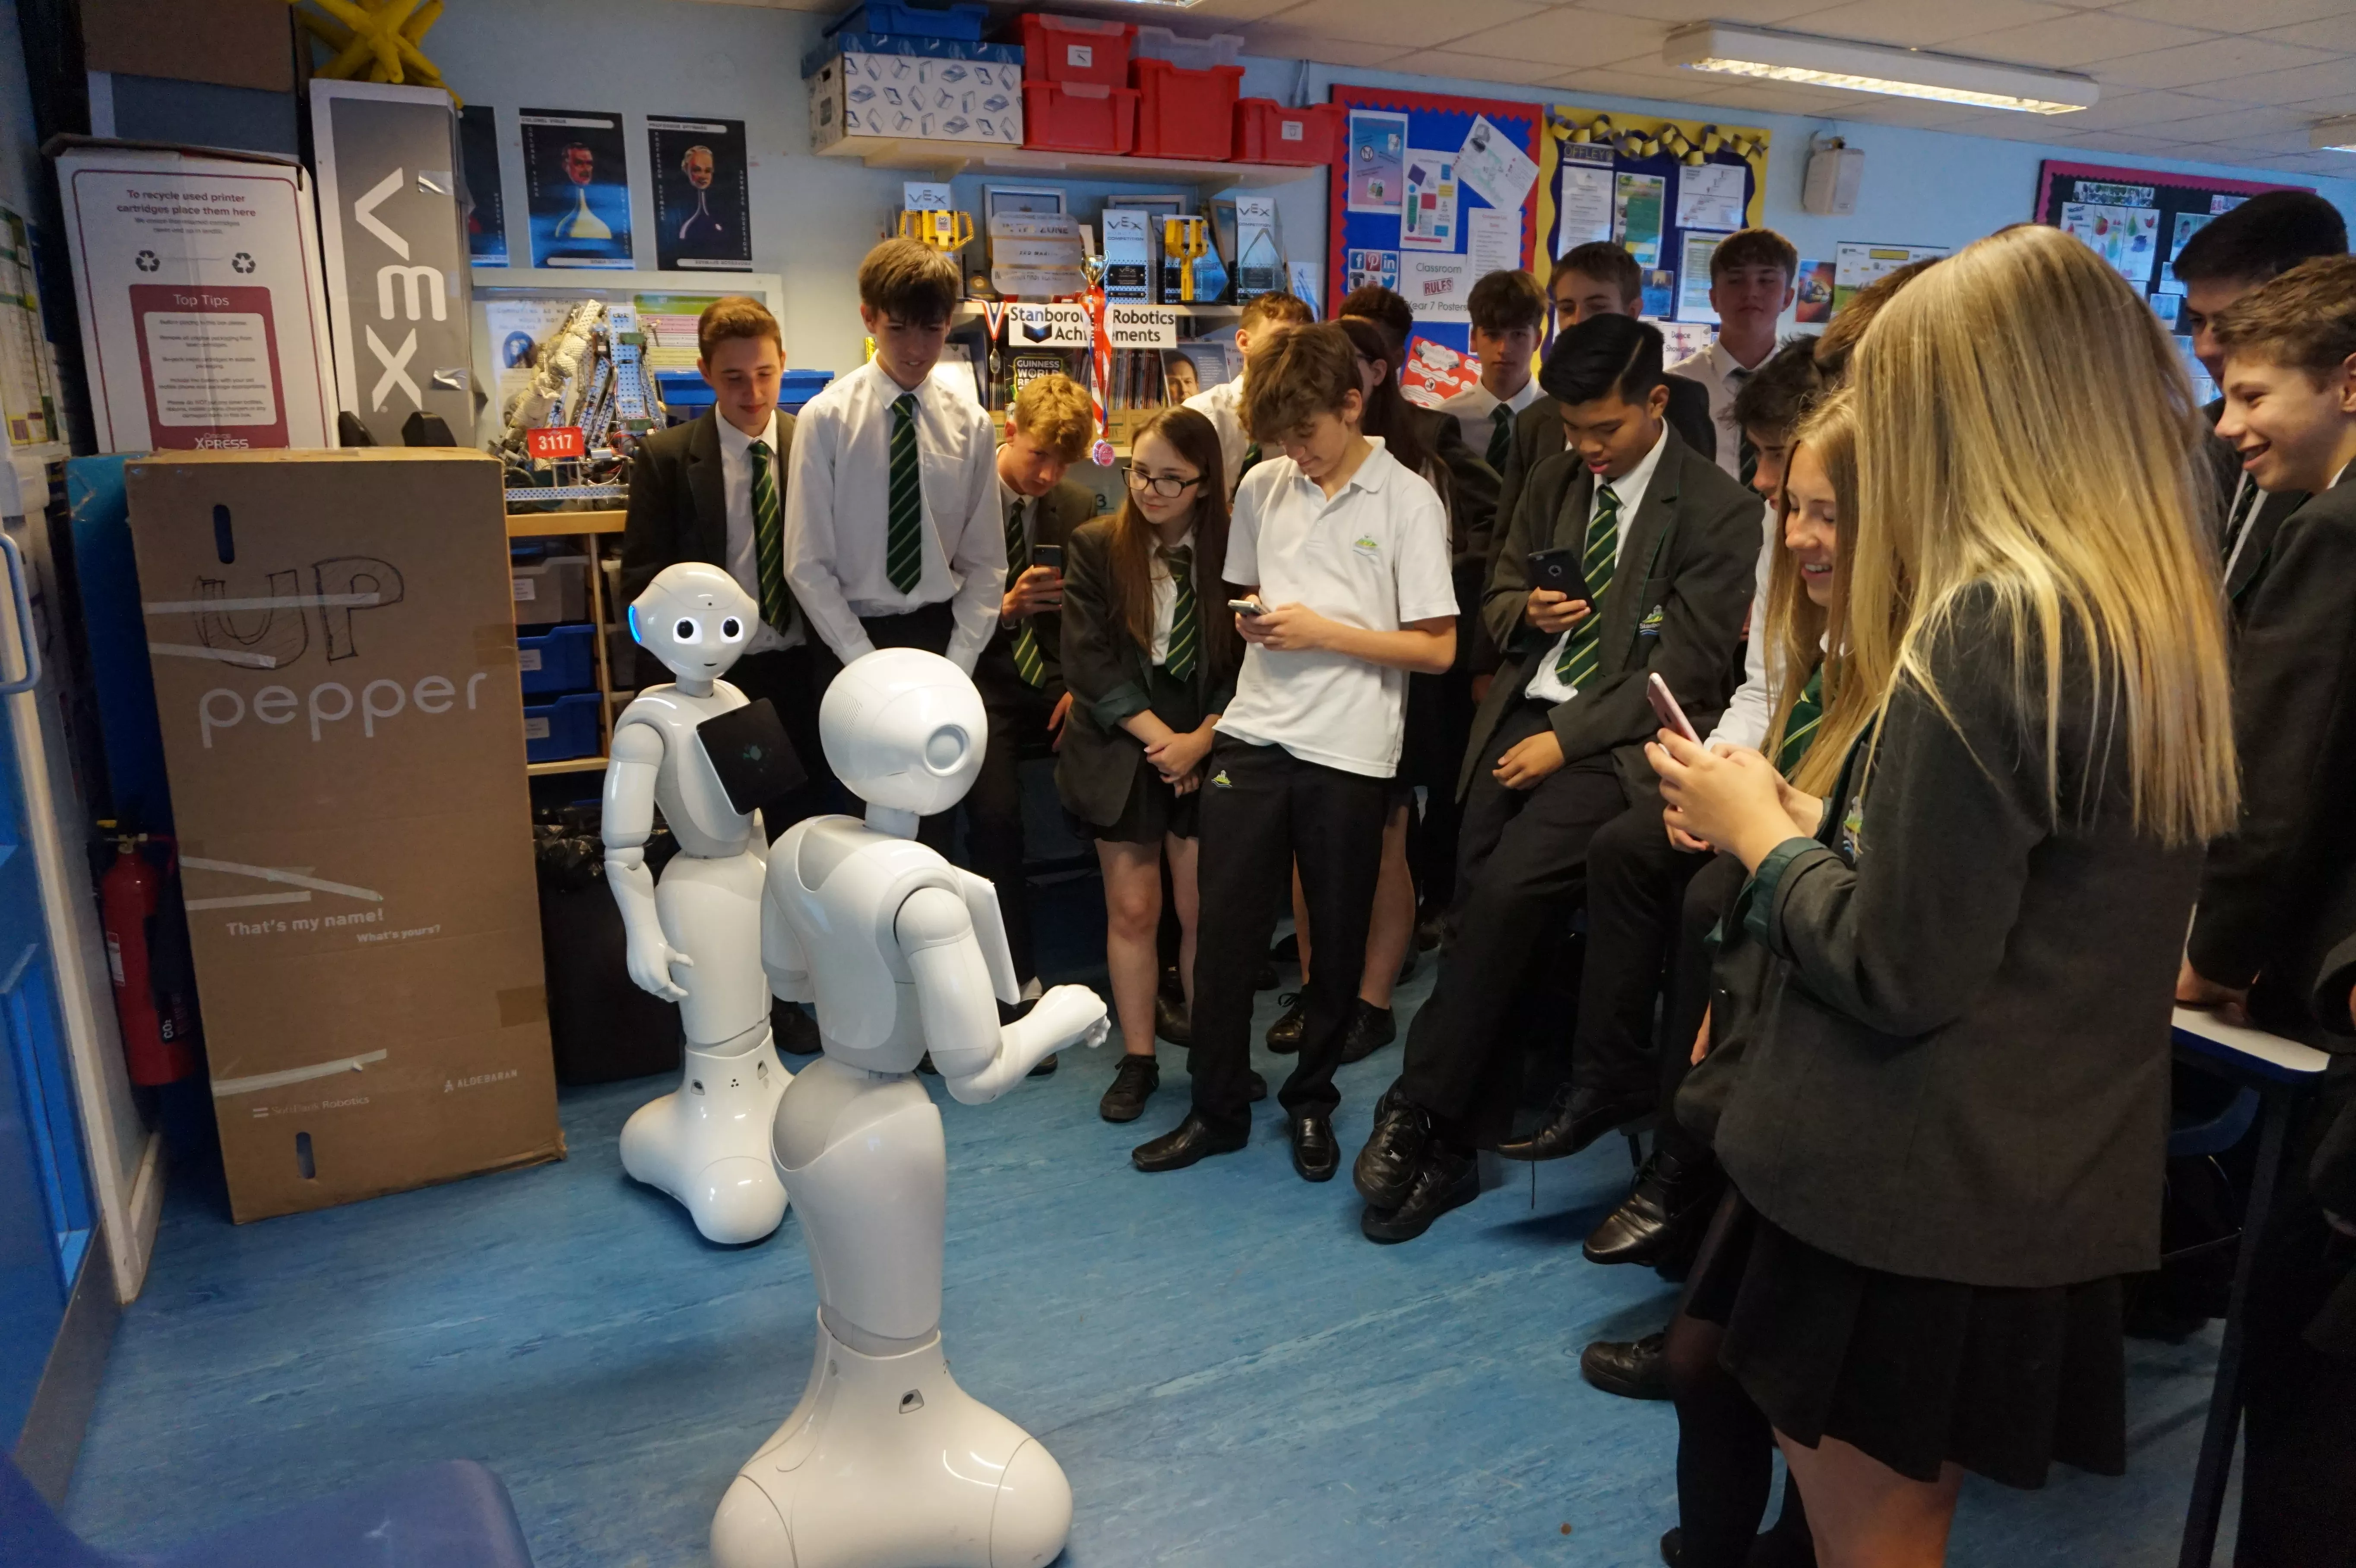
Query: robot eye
<point x="687" y="631"/>
<point x="732" y="630"/>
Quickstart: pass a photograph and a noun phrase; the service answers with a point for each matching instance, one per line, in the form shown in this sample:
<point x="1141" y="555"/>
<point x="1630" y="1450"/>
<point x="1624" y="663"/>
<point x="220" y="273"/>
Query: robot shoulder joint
<point x="932" y="917"/>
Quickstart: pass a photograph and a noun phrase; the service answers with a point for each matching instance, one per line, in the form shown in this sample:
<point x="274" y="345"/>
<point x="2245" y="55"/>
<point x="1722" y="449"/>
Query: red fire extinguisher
<point x="158" y="1025"/>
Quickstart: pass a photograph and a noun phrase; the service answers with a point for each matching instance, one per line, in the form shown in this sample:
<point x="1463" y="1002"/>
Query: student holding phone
<point x="1151" y="662"/>
<point x="1020" y="671"/>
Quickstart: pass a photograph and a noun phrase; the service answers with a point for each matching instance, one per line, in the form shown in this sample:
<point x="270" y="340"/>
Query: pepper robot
<point x="887" y="1463"/>
<point x="695" y="938"/>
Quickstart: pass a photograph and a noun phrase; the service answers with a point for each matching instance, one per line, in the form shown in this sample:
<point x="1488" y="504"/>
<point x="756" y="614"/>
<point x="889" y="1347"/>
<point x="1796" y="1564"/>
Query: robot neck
<point x="698" y="686"/>
<point x="892" y="820"/>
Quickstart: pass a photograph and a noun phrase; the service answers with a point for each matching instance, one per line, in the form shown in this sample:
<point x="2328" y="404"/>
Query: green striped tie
<point x="769" y="543"/>
<point x="1179" y="660"/>
<point x="1029" y="662"/>
<point x="904" y="540"/>
<point x="1745" y="456"/>
<point x="1800" y="724"/>
<point x="1583" y="653"/>
<point x="1501" y="436"/>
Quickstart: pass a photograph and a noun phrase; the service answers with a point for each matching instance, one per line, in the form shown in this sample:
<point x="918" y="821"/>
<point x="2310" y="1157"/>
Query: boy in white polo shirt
<point x="1348" y="552"/>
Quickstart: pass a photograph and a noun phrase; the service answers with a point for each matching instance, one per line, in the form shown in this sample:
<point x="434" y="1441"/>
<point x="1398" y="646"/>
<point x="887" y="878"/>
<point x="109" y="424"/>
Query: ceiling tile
<point x="2232" y="125"/>
<point x="2075" y="42"/>
<point x="2118" y="110"/>
<point x="1566" y="38"/>
<point x="1403" y="23"/>
<point x="1463" y="67"/>
<point x="1756" y="13"/>
<point x="1918" y="113"/>
<point x="1613" y="81"/>
<point x="2335" y="32"/>
<point x="1286" y="43"/>
<point x="2333" y="79"/>
<point x="2120" y="141"/>
<point x="2209" y="60"/>
<point x="1918" y="24"/>
<point x="1749" y="96"/>
<point x="2274" y="143"/>
<point x="2240" y="17"/>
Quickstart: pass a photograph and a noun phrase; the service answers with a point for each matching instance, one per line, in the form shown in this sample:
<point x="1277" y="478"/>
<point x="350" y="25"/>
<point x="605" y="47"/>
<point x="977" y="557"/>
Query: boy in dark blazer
<point x="1667" y="544"/>
<point x="1020" y="671"/>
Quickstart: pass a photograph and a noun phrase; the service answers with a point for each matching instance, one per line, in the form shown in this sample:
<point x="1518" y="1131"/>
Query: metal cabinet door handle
<point x="23" y="595"/>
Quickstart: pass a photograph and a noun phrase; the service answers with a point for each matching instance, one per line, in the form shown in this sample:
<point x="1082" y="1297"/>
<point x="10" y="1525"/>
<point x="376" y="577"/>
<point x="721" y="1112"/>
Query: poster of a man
<point x="577" y="175"/>
<point x="703" y="217"/>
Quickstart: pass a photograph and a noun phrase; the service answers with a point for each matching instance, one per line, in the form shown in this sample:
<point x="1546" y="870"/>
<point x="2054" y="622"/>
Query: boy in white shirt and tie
<point x="1508" y="319"/>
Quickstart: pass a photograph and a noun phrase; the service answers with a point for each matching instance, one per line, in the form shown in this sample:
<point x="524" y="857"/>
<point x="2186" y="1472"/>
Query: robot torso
<point x="686" y="787"/>
<point x="839" y="884"/>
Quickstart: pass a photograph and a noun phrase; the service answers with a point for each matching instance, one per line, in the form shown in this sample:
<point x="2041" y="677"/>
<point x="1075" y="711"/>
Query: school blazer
<point x="679" y="509"/>
<point x="1537" y="436"/>
<point x="1675" y="605"/>
<point x="1059" y="511"/>
<point x="1957" y="1068"/>
<point x="1109" y="677"/>
<point x="2269" y="887"/>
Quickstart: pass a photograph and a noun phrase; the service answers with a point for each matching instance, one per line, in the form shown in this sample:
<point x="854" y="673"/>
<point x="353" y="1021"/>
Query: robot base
<point x="887" y="1463"/>
<point x="707" y="1142"/>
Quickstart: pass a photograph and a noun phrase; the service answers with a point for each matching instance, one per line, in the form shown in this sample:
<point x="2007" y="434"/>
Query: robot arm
<point x="977" y="1059"/>
<point x="989" y="931"/>
<point x="782" y="956"/>
<point x="628" y="823"/>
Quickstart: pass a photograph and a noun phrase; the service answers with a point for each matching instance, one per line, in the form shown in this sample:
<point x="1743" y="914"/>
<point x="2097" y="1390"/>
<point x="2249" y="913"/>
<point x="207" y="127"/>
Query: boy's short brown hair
<point x="1755" y="247"/>
<point x="1277" y="304"/>
<point x="1606" y="263"/>
<point x="910" y="282"/>
<point x="1055" y="411"/>
<point x="1308" y="371"/>
<point x="2306" y="318"/>
<point x="736" y="316"/>
<point x="1838" y="343"/>
<point x="1502" y="301"/>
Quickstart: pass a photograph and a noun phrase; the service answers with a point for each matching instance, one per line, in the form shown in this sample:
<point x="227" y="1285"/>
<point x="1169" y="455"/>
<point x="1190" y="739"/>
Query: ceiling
<point x="2229" y="81"/>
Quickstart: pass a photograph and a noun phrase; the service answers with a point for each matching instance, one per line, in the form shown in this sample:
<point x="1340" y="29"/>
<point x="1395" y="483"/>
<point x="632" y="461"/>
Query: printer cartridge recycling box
<point x="332" y="639"/>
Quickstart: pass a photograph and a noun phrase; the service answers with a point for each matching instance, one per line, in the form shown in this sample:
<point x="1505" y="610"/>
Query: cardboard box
<point x="204" y="317"/>
<point x="236" y="43"/>
<point x="335" y="666"/>
<point x="936" y="89"/>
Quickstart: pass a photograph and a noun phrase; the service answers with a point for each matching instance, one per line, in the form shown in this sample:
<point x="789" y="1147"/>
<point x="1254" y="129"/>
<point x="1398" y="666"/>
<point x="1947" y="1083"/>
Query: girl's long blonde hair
<point x="2024" y="425"/>
<point x="1801" y="633"/>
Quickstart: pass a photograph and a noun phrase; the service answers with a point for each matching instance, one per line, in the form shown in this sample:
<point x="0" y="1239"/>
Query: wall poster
<point x="577" y="188"/>
<point x="487" y="214"/>
<point x="703" y="204"/>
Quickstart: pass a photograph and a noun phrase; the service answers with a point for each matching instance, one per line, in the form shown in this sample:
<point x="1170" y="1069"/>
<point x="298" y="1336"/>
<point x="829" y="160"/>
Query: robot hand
<point x="650" y="958"/>
<point x="1066" y="1016"/>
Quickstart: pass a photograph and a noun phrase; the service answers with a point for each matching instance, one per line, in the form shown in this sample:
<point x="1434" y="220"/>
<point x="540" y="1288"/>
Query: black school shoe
<point x="1170" y="1020"/>
<point x="1632" y="1368"/>
<point x="1444" y="1179"/>
<point x="1285" y="1035"/>
<point x="1134" y="1084"/>
<point x="1189" y="1141"/>
<point x="1315" y="1156"/>
<point x="1370" y="1029"/>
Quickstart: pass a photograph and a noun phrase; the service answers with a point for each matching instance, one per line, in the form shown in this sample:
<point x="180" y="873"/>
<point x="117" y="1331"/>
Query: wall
<point x="814" y="217"/>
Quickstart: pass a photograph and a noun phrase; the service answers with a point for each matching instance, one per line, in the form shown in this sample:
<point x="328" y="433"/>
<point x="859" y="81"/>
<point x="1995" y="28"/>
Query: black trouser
<point x="927" y="627"/>
<point x="1709" y="895"/>
<point x="993" y="807"/>
<point x="1635" y="883"/>
<point x="786" y="677"/>
<point x="1264" y="809"/>
<point x="1522" y="856"/>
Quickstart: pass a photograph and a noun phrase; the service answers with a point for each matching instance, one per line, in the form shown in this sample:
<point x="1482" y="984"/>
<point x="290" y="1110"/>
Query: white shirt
<point x="1223" y="406"/>
<point x="1545" y="685"/>
<point x="838" y="512"/>
<point x="1165" y="604"/>
<point x="1475" y="410"/>
<point x="1744" y="723"/>
<point x="1373" y="555"/>
<point x="1723" y="376"/>
<point x="743" y="565"/>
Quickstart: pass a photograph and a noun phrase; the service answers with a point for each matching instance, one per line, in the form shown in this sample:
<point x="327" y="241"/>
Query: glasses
<point x="1169" y="486"/>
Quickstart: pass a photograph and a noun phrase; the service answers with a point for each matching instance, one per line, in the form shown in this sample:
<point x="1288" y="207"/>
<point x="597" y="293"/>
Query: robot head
<point x="903" y="728"/>
<point x="695" y="619"/>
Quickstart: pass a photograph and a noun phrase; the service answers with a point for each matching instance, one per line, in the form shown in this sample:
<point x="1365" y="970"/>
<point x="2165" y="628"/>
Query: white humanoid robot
<point x="696" y="938"/>
<point x="887" y="1463"/>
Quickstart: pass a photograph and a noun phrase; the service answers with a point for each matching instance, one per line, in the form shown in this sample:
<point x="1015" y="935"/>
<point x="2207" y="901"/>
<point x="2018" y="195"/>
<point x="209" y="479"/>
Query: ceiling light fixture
<point x="1869" y="68"/>
<point x="2334" y="136"/>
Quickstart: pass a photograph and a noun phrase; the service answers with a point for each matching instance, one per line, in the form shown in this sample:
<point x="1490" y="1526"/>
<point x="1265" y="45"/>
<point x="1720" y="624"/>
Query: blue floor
<point x="1229" y="1373"/>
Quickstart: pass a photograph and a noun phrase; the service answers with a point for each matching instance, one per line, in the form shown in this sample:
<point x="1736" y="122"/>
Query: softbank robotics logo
<point x="421" y="288"/>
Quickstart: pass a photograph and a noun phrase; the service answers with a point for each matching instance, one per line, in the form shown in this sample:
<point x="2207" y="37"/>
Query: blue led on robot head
<point x="634" y="627"/>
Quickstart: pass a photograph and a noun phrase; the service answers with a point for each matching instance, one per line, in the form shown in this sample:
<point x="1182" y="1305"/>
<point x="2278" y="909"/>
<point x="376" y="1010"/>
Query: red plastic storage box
<point x="1075" y="48"/>
<point x="1184" y="113"/>
<point x="1268" y="133"/>
<point x="1078" y="117"/>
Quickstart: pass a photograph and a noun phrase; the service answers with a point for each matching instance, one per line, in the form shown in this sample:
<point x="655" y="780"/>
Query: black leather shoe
<point x="1264" y="979"/>
<point x="1170" y="1020"/>
<point x="795" y="1031"/>
<point x="1046" y="1068"/>
<point x="1386" y="1168"/>
<point x="1315" y="1154"/>
<point x="1370" y="1029"/>
<point x="1670" y="1201"/>
<point x="1632" y="1368"/>
<point x="1673" y="1548"/>
<point x="1576" y="1117"/>
<point x="1444" y="1179"/>
<point x="1259" y="1088"/>
<point x="1134" y="1084"/>
<point x="1285" y="1035"/>
<point x="1182" y="1145"/>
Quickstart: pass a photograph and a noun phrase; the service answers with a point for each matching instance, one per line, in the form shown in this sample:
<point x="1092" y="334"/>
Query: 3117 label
<point x="556" y="440"/>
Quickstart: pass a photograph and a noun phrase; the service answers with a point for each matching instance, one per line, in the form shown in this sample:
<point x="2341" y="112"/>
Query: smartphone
<point x="1672" y="717"/>
<point x="1247" y="606"/>
<point x="1560" y="569"/>
<point x="1050" y="556"/>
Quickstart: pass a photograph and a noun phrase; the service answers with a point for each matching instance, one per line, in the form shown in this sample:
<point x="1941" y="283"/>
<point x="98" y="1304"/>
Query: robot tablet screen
<point x="750" y="753"/>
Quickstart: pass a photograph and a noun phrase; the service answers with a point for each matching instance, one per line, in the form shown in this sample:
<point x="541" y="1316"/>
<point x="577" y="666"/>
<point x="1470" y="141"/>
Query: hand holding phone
<point x="1050" y="556"/>
<point x="1248" y="608"/>
<point x="1664" y="706"/>
<point x="1560" y="571"/>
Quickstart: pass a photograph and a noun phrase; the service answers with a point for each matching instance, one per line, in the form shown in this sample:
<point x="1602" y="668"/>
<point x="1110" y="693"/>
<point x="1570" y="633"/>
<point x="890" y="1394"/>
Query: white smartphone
<point x="1248" y="607"/>
<point x="1665" y="705"/>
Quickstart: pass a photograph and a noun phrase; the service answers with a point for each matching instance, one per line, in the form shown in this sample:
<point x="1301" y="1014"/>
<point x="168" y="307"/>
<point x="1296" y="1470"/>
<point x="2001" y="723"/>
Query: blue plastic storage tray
<point x="963" y="22"/>
<point x="566" y="728"/>
<point x="563" y="659"/>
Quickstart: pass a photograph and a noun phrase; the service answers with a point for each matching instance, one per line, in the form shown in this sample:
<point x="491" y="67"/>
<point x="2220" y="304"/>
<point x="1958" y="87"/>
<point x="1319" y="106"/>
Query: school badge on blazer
<point x="1651" y="625"/>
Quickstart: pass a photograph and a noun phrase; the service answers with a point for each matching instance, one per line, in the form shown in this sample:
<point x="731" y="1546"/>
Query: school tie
<point x="1582" y="652"/>
<point x="1800" y="724"/>
<point x="1029" y="662"/>
<point x="1501" y="436"/>
<point x="904" y="547"/>
<point x="1179" y="659"/>
<point x="1746" y="454"/>
<point x="2245" y="507"/>
<point x="769" y="543"/>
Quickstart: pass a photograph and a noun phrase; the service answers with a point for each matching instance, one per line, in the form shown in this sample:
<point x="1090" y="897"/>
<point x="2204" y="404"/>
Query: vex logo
<point x="419" y="288"/>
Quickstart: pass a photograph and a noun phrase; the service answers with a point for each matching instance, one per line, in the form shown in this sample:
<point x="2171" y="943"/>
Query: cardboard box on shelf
<point x="334" y="662"/>
<point x="933" y="89"/>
